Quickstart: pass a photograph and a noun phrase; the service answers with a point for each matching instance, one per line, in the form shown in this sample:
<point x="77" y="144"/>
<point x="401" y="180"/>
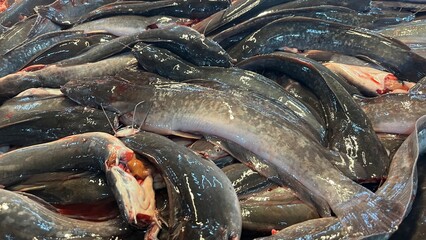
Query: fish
<point x="65" y="188"/>
<point x="181" y="40"/>
<point x="54" y="76"/>
<point x="201" y="183"/>
<point x="393" y="113"/>
<point x="69" y="49"/>
<point x="391" y="142"/>
<point x="29" y="120"/>
<point x="69" y="12"/>
<point x="370" y="81"/>
<point x="24" y="218"/>
<point x="16" y="59"/>
<point x="238" y="11"/>
<point x="16" y="35"/>
<point x="360" y="6"/>
<point x="184" y="9"/>
<point x="196" y="109"/>
<point x="308" y="33"/>
<point x="347" y="123"/>
<point x="409" y="33"/>
<point x="245" y="180"/>
<point x="171" y="66"/>
<point x="125" y="25"/>
<point x="274" y="210"/>
<point x="207" y="150"/>
<point x="96" y="151"/>
<point x="19" y="10"/>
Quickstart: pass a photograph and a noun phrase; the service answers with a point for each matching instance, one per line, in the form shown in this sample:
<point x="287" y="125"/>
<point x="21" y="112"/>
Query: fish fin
<point x="368" y="215"/>
<point x="26" y="188"/>
<point x="49" y="13"/>
<point x="20" y="121"/>
<point x="185" y="135"/>
<point x="40" y="201"/>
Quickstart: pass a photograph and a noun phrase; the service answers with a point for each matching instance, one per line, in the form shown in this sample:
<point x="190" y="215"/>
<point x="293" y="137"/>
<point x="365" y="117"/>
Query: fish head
<point x="136" y="200"/>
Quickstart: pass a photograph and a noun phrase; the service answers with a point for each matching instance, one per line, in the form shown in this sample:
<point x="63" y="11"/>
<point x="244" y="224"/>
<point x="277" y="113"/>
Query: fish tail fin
<point x="369" y="215"/>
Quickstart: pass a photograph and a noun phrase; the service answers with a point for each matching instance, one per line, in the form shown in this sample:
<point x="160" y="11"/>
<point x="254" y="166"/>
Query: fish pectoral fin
<point x="185" y="135"/>
<point x="20" y="121"/>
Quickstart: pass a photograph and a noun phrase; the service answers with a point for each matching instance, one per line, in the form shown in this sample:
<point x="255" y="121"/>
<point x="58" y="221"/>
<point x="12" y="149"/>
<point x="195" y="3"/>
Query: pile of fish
<point x="211" y="119"/>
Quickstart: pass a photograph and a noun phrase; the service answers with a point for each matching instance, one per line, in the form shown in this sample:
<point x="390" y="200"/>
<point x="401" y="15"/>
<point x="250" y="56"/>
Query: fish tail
<point x="369" y="215"/>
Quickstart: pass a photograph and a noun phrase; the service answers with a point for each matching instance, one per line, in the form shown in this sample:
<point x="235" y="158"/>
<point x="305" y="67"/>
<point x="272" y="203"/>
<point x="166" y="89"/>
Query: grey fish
<point x="347" y="123"/>
<point x="16" y="35"/>
<point x="54" y="76"/>
<point x="69" y="12"/>
<point x="66" y="187"/>
<point x="43" y="25"/>
<point x="19" y="10"/>
<point x="200" y="183"/>
<point x="409" y="33"/>
<point x="87" y="151"/>
<point x="171" y="66"/>
<point x="125" y="25"/>
<point x="246" y="181"/>
<point x="185" y="8"/>
<point x="393" y="113"/>
<point x="16" y="59"/>
<point x="24" y="218"/>
<point x="31" y="120"/>
<point x="181" y="40"/>
<point x="274" y="209"/>
<point x="307" y="33"/>
<point x="400" y="187"/>
<point x="391" y="142"/>
<point x="194" y="109"/>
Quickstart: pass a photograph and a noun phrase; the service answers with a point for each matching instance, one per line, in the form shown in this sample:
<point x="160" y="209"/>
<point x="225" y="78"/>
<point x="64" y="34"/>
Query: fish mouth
<point x="136" y="199"/>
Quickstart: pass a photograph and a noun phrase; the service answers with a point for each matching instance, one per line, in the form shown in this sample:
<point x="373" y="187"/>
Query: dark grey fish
<point x="185" y="8"/>
<point x="68" y="12"/>
<point x="200" y="184"/>
<point x="70" y="48"/>
<point x="237" y="12"/>
<point x="54" y="76"/>
<point x="43" y="25"/>
<point x="189" y="108"/>
<point x="23" y="218"/>
<point x="31" y="120"/>
<point x="360" y="6"/>
<point x="391" y="142"/>
<point x="95" y="151"/>
<point x="274" y="210"/>
<point x="66" y="187"/>
<point x="349" y="130"/>
<point x="393" y="113"/>
<point x="413" y="6"/>
<point x="16" y="35"/>
<point x="20" y="10"/>
<point x="409" y="33"/>
<point x="16" y="59"/>
<point x="307" y="33"/>
<point x="126" y="25"/>
<point x="184" y="41"/>
<point x="246" y="181"/>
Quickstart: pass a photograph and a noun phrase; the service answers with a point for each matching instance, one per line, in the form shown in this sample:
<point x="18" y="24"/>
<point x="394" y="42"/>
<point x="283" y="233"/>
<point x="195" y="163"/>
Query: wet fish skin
<point x="71" y="48"/>
<point x="69" y="12"/>
<point x="201" y="183"/>
<point x="209" y="112"/>
<point x="238" y="11"/>
<point x="245" y="180"/>
<point x="274" y="209"/>
<point x="169" y="65"/>
<point x="19" y="57"/>
<point x="349" y="130"/>
<point x="23" y="218"/>
<point x="16" y="35"/>
<point x="393" y="113"/>
<point x="325" y="35"/>
<point x="185" y="9"/>
<point x="359" y="6"/>
<point x="66" y="187"/>
<point x="33" y="120"/>
<point x="54" y="75"/>
<point x="20" y="9"/>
